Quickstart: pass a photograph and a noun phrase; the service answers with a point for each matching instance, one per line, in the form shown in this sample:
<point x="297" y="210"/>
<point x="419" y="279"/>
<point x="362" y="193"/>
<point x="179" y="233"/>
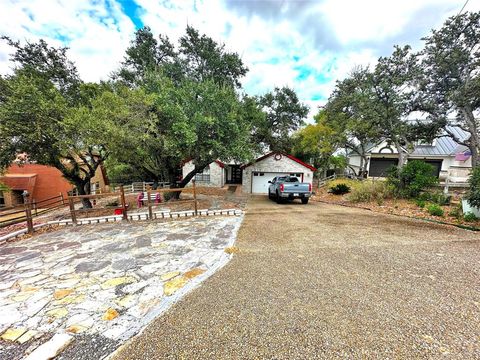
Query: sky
<point x="307" y="45"/>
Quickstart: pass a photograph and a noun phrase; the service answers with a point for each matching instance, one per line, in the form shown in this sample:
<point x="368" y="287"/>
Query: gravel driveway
<point x="323" y="281"/>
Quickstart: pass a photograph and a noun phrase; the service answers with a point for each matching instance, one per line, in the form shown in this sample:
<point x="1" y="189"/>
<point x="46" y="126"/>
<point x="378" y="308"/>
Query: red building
<point x="41" y="181"/>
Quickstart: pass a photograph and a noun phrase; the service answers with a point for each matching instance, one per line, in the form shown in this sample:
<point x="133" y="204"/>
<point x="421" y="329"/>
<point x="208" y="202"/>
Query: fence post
<point x="28" y="215"/>
<point x="124" y="205"/>
<point x="63" y="200"/>
<point x="149" y="203"/>
<point x="195" y="197"/>
<point x="72" y="210"/>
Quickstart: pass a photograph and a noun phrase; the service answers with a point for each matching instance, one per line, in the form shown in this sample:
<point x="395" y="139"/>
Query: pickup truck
<point x="284" y="188"/>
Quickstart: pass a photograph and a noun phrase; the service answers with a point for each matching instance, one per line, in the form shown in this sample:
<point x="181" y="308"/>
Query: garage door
<point x="260" y="180"/>
<point x="379" y="167"/>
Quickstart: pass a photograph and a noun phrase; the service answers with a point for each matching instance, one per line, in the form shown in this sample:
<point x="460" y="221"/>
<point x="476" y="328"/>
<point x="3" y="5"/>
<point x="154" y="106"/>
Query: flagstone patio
<point x="107" y="281"/>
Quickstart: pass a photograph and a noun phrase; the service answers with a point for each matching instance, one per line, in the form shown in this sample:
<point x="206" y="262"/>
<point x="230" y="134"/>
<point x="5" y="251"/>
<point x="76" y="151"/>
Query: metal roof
<point x="444" y="145"/>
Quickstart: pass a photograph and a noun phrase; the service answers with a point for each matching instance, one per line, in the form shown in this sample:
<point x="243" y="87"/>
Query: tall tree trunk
<point x="83" y="188"/>
<point x="363" y="169"/>
<point x="474" y="141"/>
<point x="362" y="163"/>
<point x="402" y="156"/>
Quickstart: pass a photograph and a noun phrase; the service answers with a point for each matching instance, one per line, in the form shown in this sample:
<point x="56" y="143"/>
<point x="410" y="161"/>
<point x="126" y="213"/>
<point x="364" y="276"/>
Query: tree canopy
<point x="166" y="104"/>
<point x="450" y="81"/>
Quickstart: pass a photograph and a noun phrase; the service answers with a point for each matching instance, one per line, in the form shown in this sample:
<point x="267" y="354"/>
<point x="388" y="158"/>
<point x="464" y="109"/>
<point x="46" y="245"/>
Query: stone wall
<point x="217" y="174"/>
<point x="271" y="165"/>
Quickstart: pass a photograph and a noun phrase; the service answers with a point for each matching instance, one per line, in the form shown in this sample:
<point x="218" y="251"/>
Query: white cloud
<point x="97" y="33"/>
<point x="305" y="45"/>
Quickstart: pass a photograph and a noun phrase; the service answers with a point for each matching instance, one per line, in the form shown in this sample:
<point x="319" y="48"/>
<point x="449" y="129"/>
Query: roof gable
<point x="291" y="157"/>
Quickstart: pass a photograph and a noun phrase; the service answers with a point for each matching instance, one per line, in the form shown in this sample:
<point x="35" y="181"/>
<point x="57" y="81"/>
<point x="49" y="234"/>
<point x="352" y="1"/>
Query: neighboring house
<point x="452" y="161"/>
<point x="253" y="177"/>
<point x="41" y="181"/>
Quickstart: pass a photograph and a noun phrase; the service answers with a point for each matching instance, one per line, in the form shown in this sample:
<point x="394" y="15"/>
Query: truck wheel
<point x="278" y="198"/>
<point x="305" y="201"/>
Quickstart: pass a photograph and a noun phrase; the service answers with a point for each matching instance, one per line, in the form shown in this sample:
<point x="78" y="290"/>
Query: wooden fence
<point x="29" y="210"/>
<point x="149" y="199"/>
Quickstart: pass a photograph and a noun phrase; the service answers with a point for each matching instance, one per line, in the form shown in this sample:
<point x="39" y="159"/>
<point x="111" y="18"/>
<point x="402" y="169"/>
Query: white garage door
<point x="260" y="180"/>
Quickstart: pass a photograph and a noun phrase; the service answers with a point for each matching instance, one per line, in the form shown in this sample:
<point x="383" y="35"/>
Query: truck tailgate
<point x="296" y="187"/>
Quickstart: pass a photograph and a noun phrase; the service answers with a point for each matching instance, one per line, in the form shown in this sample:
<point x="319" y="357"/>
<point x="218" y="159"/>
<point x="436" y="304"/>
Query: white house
<point x="451" y="160"/>
<point x="253" y="177"/>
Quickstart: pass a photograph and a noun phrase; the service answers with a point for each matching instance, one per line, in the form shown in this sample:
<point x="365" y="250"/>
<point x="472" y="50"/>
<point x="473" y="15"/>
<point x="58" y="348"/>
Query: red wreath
<point x="278" y="157"/>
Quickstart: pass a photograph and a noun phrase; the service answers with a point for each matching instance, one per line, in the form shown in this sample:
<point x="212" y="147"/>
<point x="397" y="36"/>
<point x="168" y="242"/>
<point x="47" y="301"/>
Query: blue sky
<point x="307" y="45"/>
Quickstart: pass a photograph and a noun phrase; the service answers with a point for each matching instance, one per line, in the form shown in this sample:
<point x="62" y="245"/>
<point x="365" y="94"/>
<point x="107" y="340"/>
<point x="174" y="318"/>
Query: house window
<point x="204" y="176"/>
<point x="2" y="199"/>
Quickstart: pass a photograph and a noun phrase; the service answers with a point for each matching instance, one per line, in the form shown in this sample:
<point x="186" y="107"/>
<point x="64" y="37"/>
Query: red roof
<point x="19" y="181"/>
<point x="291" y="157"/>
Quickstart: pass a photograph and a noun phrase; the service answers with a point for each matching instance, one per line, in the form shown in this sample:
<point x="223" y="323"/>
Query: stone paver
<point x="105" y="281"/>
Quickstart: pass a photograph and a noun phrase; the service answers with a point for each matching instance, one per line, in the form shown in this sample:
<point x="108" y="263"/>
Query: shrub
<point x="440" y="198"/>
<point x="435" y="210"/>
<point x="412" y="179"/>
<point x="473" y="195"/>
<point x="469" y="217"/>
<point x="367" y="191"/>
<point x="456" y="212"/>
<point x="420" y="203"/>
<point x="349" y="182"/>
<point x="339" y="189"/>
<point x="113" y="203"/>
<point x="169" y="196"/>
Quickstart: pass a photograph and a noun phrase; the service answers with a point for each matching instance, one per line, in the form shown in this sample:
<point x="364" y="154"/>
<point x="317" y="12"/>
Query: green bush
<point x="112" y="203"/>
<point x="339" y="189"/>
<point x="441" y="198"/>
<point x="169" y="196"/>
<point x="435" y="210"/>
<point x="456" y="212"/>
<point x="367" y="191"/>
<point x="420" y="203"/>
<point x="412" y="179"/>
<point x="436" y="197"/>
<point x="469" y="217"/>
<point x="473" y="195"/>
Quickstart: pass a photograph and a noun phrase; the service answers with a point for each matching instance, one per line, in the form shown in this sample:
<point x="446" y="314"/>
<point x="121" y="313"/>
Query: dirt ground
<point x="324" y="281"/>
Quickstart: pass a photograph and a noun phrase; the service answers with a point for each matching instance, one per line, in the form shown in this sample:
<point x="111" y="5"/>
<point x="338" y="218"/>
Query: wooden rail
<point x="30" y="209"/>
<point x="123" y="204"/>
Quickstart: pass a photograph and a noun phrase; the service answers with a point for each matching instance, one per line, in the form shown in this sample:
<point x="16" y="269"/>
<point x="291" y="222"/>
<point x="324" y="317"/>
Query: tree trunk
<point x="474" y="141"/>
<point x="363" y="168"/>
<point x="360" y="171"/>
<point x="83" y="188"/>
<point x="402" y="156"/>
<point x="181" y="184"/>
